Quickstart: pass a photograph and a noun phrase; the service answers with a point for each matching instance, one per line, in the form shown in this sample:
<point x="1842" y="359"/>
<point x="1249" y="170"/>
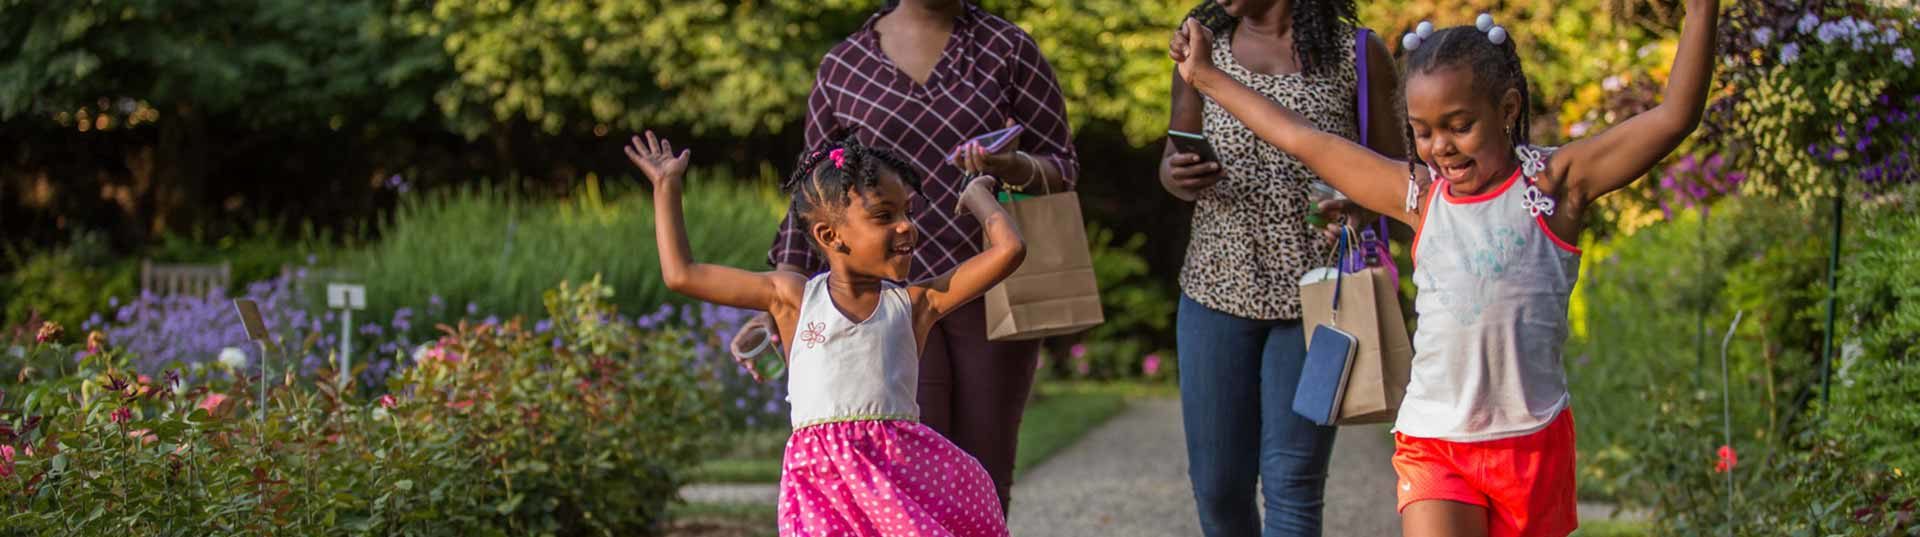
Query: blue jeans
<point x="1237" y="378"/>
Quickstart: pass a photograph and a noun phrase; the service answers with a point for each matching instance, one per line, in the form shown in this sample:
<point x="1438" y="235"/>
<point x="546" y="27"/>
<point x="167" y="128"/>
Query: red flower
<point x="460" y="405"/>
<point x="1728" y="459"/>
<point x="122" y="415"/>
<point x="387" y="401"/>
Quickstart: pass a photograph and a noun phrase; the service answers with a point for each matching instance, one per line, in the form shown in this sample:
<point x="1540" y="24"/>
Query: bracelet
<point x="1033" y="168"/>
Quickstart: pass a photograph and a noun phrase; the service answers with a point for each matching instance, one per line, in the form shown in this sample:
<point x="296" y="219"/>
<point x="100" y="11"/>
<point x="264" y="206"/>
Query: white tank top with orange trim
<point x="1493" y="288"/>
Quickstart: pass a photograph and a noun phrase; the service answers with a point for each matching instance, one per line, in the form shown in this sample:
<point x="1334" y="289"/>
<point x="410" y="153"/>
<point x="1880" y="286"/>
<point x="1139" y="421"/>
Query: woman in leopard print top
<point x="1240" y="339"/>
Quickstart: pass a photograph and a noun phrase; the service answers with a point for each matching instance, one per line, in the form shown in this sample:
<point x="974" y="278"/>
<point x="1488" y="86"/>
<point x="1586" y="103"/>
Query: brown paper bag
<point x="1054" y="292"/>
<point x="1383" y="358"/>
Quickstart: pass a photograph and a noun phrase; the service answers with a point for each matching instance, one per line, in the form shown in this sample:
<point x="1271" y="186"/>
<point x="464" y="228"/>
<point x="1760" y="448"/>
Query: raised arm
<point x="1613" y="159"/>
<point x="718" y="284"/>
<point x="1375" y="182"/>
<point x="935" y="298"/>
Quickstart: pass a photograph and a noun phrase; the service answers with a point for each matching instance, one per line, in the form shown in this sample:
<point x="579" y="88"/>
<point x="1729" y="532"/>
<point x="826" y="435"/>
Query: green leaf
<point x="512" y="502"/>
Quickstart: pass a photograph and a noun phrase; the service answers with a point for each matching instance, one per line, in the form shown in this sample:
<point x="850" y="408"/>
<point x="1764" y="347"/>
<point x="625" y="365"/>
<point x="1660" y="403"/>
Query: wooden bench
<point x="170" y="279"/>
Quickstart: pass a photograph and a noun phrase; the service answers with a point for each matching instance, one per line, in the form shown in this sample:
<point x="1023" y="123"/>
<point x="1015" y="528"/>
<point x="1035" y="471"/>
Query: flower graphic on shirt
<point x="815" y="334"/>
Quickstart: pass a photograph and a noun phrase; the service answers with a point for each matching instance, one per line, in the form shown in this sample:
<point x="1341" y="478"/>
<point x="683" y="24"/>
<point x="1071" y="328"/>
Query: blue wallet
<point x="1323" y="380"/>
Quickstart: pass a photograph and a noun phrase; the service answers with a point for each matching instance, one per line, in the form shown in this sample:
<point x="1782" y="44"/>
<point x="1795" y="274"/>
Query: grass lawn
<point x="1061" y="412"/>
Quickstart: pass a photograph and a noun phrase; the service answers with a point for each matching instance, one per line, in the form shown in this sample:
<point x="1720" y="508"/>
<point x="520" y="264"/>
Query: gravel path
<point x="1129" y="478"/>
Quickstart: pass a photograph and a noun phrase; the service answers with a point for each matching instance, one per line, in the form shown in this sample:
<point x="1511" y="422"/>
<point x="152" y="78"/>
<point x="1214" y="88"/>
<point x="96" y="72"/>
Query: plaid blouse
<point x="990" y="70"/>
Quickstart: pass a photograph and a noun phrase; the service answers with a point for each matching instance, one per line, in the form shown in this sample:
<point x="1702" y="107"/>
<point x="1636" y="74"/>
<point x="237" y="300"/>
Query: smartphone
<point x="1188" y="142"/>
<point x="993" y="142"/>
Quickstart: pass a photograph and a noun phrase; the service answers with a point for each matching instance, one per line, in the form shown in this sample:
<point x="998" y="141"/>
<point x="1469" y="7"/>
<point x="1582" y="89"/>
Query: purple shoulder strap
<point x="1360" y="81"/>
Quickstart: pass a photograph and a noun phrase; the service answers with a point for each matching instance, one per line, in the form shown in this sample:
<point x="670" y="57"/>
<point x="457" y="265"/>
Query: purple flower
<point x="1860" y="145"/>
<point x="1808" y="22"/>
<point x="1904" y="56"/>
<point x="1789" y="53"/>
<point x="543" y="326"/>
<point x="1763" y="36"/>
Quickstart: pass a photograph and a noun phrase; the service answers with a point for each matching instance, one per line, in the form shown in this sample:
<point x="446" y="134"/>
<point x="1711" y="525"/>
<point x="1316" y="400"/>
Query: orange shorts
<point x="1525" y="482"/>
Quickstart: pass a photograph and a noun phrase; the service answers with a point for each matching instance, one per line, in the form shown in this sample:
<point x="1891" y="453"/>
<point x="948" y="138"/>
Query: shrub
<point x="500" y="432"/>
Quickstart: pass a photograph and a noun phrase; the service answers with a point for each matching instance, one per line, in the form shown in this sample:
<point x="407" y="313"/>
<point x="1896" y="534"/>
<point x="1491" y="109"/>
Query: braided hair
<point x="1495" y="68"/>
<point x="825" y="177"/>
<point x="1317" y="29"/>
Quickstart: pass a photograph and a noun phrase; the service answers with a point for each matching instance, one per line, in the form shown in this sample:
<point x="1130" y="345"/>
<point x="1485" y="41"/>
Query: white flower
<point x="1612" y="83"/>
<point x="420" y="354"/>
<point x="1763" y="36"/>
<point x="233" y="358"/>
<point x="379" y="413"/>
<point x="1904" y="56"/>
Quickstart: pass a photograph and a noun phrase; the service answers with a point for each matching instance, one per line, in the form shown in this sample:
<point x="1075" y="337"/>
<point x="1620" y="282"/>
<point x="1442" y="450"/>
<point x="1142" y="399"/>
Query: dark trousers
<point x="973" y="391"/>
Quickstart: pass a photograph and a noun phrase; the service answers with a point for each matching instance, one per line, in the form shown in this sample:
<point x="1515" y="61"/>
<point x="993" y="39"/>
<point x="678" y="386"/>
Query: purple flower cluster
<point x="1882" y="148"/>
<point x="193" y="332"/>
<point x="1693" y="183"/>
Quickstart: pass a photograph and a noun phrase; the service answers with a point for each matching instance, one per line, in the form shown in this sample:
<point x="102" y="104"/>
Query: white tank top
<point x="1493" y="287"/>
<point x="841" y="370"/>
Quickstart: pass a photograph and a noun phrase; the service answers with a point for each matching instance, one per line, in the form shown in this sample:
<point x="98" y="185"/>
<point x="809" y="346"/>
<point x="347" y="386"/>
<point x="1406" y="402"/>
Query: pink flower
<point x="839" y="156"/>
<point x="460" y="405"/>
<point x="1151" y="366"/>
<point x="1728" y="459"/>
<point x="1078" y="351"/>
<point x="96" y="342"/>
<point x="122" y="415"/>
<point x="49" y="332"/>
<point x="212" y="402"/>
<point x="6" y="460"/>
<point x="387" y="401"/>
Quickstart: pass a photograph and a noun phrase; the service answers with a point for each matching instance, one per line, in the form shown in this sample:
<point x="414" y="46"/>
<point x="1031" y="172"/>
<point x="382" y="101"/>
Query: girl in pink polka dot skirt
<point x="859" y="462"/>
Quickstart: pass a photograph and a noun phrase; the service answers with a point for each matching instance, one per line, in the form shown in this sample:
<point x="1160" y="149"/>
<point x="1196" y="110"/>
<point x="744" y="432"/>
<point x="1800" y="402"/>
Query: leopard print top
<point x="1251" y="241"/>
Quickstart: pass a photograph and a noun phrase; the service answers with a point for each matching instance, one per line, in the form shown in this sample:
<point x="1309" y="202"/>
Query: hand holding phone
<point x="993" y="142"/>
<point x="1194" y="166"/>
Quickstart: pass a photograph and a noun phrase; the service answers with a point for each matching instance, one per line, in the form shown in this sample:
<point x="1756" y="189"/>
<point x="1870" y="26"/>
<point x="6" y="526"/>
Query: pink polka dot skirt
<point x="891" y="478"/>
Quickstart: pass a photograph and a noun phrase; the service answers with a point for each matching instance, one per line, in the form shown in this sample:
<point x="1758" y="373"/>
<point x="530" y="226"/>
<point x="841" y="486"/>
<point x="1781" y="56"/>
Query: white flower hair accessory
<point x="1419" y="35"/>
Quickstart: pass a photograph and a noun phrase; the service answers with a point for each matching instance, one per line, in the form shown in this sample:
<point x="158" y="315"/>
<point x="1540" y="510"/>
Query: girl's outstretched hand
<point x="654" y="157"/>
<point x="1191" y="49"/>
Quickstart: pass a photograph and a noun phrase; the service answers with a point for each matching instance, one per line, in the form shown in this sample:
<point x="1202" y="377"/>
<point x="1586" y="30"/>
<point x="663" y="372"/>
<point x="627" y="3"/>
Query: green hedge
<point x="1652" y="414"/>
<point x="487" y="247"/>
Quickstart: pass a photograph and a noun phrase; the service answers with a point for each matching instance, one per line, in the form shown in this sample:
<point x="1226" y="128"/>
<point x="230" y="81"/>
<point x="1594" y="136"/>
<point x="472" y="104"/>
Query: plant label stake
<point x="256" y="331"/>
<point x="346" y="298"/>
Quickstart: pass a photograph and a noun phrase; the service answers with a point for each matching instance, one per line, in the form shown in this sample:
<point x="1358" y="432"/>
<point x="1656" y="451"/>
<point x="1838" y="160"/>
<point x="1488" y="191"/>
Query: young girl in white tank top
<point x="1484" y="439"/>
<point x="859" y="463"/>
